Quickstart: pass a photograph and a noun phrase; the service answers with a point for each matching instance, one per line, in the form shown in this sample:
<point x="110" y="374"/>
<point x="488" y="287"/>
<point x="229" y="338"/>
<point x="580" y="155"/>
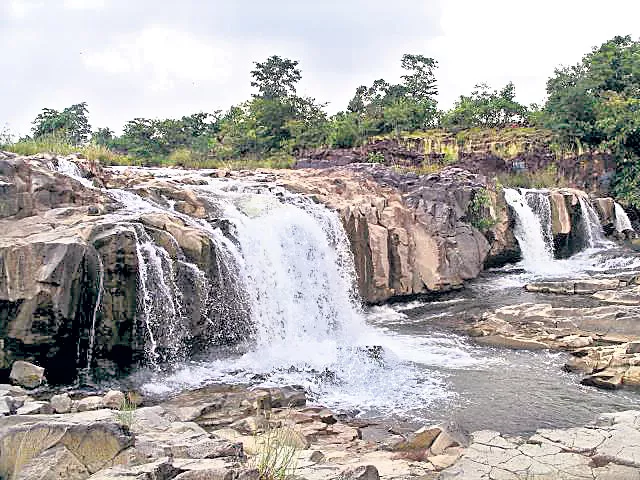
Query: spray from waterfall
<point x="622" y="224"/>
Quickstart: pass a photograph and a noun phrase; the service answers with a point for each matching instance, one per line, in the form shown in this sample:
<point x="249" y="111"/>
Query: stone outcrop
<point x="412" y="234"/>
<point x="76" y="260"/>
<point x="609" y="449"/>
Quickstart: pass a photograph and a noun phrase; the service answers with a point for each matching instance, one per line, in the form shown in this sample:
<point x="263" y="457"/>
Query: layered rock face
<point x="94" y="276"/>
<point x="411" y="234"/>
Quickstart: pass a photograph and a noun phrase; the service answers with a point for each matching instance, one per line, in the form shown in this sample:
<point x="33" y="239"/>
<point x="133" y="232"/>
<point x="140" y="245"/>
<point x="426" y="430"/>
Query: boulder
<point x="93" y="402"/>
<point x="113" y="399"/>
<point x="363" y="472"/>
<point x="26" y="374"/>
<point x="61" y="403"/>
<point x="75" y="449"/>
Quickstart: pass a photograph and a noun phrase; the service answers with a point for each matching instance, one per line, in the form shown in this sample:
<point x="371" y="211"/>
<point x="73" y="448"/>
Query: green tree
<point x="420" y="82"/>
<point x="486" y="108"/>
<point x="103" y="136"/>
<point x="71" y="124"/>
<point x="276" y="77"/>
<point x="596" y="103"/>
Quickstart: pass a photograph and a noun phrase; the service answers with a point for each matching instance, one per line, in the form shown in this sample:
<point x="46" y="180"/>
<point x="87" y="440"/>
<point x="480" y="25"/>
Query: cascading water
<point x="96" y="308"/>
<point x="540" y="204"/>
<point x="591" y="226"/>
<point x="623" y="224"/>
<point x="537" y="251"/>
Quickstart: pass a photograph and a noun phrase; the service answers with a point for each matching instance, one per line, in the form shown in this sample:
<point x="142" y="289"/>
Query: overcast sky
<point x="165" y="58"/>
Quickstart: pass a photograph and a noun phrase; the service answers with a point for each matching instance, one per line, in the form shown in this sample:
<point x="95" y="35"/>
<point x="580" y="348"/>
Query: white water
<point x="96" y="308"/>
<point x="591" y="225"/>
<point x="537" y="253"/>
<point x="297" y="268"/>
<point x="623" y="224"/>
<point x="70" y="169"/>
<point x="540" y="204"/>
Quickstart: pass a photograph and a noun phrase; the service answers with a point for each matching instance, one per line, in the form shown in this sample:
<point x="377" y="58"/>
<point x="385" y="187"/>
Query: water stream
<point x="286" y="266"/>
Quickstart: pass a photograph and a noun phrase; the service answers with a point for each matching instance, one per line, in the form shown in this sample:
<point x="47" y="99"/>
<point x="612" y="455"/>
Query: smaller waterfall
<point x="623" y="223"/>
<point x="96" y="308"/>
<point x="70" y="169"/>
<point x="540" y="203"/>
<point x="536" y="251"/>
<point x="591" y="226"/>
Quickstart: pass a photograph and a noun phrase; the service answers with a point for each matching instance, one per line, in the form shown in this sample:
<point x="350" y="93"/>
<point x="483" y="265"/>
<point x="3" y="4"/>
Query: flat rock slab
<point x="608" y="450"/>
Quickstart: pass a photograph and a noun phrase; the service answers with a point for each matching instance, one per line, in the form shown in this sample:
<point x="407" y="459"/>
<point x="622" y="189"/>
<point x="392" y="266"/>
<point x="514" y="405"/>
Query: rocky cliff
<point x="91" y="268"/>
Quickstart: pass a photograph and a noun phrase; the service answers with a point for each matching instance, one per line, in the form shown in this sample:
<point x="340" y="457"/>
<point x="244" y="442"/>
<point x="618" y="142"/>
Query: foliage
<point x="546" y="178"/>
<point x="277" y="452"/>
<point x="276" y="77"/>
<point x="71" y="124"/>
<point x="596" y="103"/>
<point x="57" y="145"/>
<point x="486" y="108"/>
<point x="375" y="157"/>
<point x="480" y="210"/>
<point x="127" y="413"/>
<point x="6" y="138"/>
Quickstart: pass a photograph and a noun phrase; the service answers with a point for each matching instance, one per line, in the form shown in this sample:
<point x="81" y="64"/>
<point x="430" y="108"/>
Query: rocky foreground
<point x="224" y="432"/>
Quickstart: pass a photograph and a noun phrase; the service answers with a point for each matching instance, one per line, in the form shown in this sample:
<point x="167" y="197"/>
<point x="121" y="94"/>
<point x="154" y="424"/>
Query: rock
<point x="6" y="405"/>
<point x="316" y="456"/>
<point x="90" y="403"/>
<point x="32" y="408"/>
<point x="440" y="462"/>
<point x="363" y="472"/>
<point x="607" y="379"/>
<point x="560" y="218"/>
<point x="633" y="347"/>
<point x="74" y="449"/>
<point x="61" y="403"/>
<point x="632" y="376"/>
<point x="113" y="399"/>
<point x="26" y="374"/>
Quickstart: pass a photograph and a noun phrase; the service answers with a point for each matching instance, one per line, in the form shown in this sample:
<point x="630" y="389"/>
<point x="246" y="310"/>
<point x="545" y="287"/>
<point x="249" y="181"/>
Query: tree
<point x="276" y="77"/>
<point x="420" y="83"/>
<point x="486" y="108"/>
<point x="102" y="136"/>
<point x="71" y="124"/>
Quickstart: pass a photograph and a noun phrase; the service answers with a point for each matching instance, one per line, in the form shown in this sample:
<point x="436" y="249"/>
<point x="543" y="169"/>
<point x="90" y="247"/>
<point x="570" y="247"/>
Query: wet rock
<point x="26" y="374"/>
<point x="607" y="379"/>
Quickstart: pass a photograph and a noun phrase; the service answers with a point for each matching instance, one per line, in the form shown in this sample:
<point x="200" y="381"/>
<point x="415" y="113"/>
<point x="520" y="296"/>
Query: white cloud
<point x="84" y="4"/>
<point x="500" y="40"/>
<point x="163" y="57"/>
<point x="21" y="8"/>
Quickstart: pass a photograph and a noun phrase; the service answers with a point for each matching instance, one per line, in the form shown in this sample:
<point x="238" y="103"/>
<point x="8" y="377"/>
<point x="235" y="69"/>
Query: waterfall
<point x="70" y="169"/>
<point x="96" y="308"/>
<point x="540" y="203"/>
<point x="623" y="223"/>
<point x="591" y="226"/>
<point x="299" y="275"/>
<point x="537" y="251"/>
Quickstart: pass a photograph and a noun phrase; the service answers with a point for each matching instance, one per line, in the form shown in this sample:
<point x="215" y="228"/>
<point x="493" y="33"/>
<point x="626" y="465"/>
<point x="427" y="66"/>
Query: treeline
<point x="278" y="121"/>
<point x="594" y="104"/>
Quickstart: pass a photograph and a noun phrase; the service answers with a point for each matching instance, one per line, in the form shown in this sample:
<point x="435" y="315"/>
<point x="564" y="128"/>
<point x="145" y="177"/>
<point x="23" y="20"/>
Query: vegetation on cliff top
<point x="592" y="105"/>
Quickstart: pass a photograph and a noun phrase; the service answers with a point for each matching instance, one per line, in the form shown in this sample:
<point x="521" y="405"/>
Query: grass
<point x="55" y="146"/>
<point x="547" y="178"/>
<point x="180" y="158"/>
<point x="277" y="453"/>
<point x="127" y="413"/>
